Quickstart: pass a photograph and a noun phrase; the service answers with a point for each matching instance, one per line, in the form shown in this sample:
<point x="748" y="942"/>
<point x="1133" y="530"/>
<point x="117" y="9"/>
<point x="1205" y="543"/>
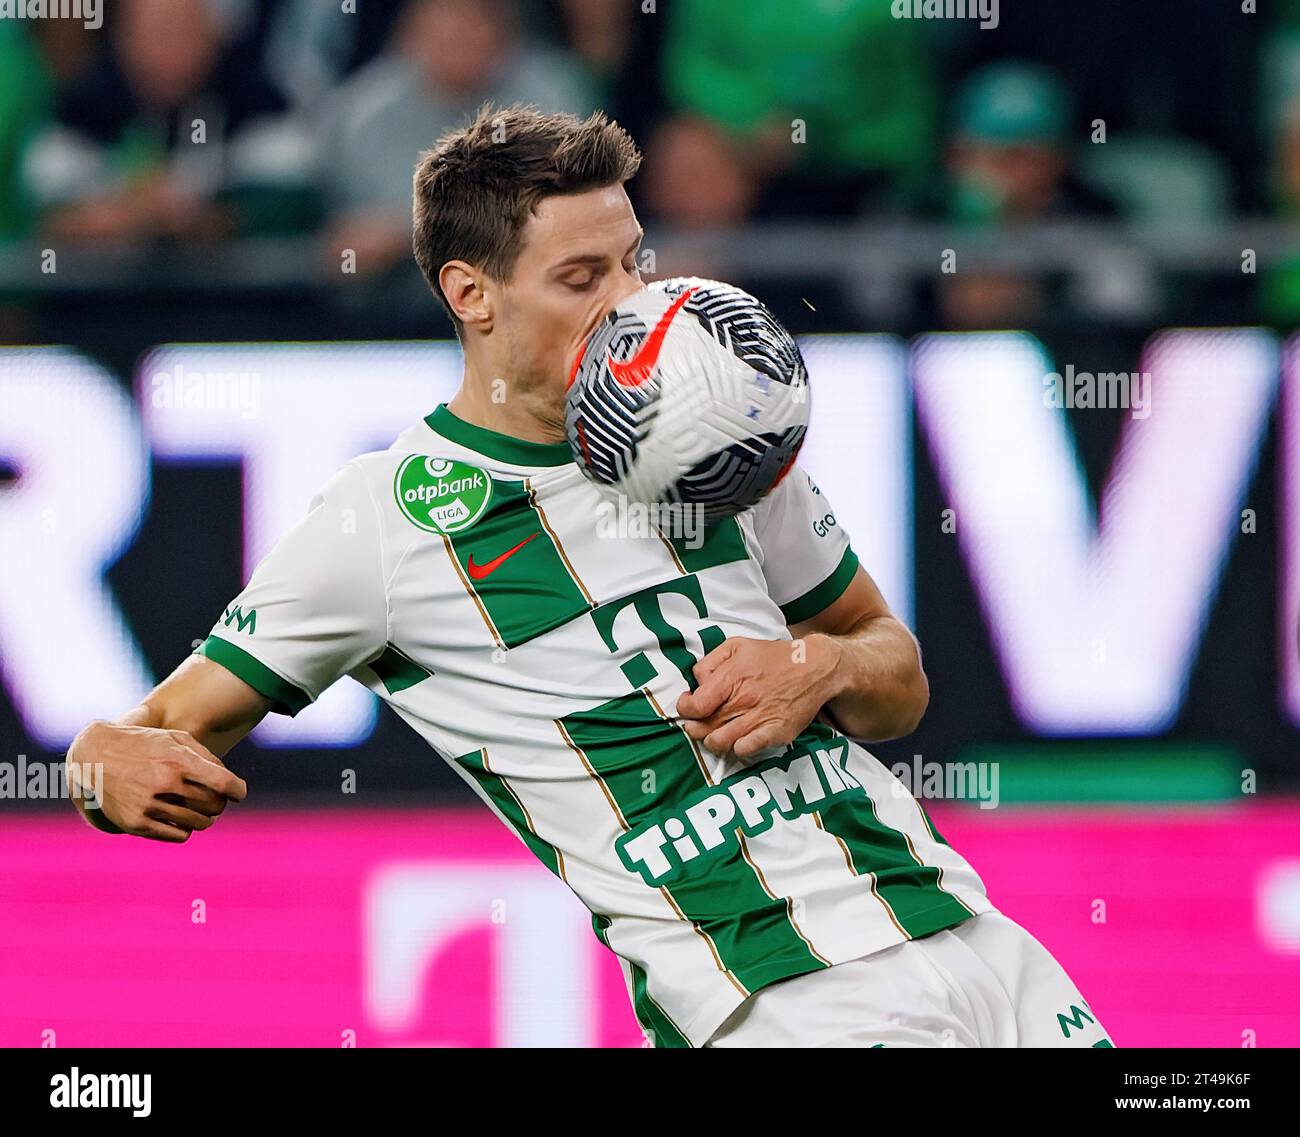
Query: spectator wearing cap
<point x="1009" y="157"/>
<point x="1009" y="164"/>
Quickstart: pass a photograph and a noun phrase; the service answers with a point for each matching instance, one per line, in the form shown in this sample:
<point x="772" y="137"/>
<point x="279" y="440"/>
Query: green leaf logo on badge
<point x="441" y="495"/>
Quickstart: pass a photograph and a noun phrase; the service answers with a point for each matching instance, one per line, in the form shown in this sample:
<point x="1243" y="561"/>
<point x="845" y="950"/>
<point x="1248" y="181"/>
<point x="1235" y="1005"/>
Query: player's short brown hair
<point x="476" y="188"/>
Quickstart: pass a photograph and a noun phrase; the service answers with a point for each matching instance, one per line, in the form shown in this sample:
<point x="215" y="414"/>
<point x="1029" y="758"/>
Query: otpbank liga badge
<point x="441" y="495"/>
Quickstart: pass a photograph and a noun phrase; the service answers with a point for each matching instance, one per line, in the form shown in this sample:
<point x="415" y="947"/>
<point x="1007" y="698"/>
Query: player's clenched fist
<point x="151" y="782"/>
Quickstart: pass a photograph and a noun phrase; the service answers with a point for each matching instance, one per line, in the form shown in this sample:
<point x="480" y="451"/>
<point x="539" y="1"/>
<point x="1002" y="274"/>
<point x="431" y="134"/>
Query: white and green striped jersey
<point x="472" y="581"/>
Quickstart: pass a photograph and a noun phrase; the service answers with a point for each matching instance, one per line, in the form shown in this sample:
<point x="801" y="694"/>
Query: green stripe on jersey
<point x="723" y="544"/>
<point x="818" y="599"/>
<point x="647" y="764"/>
<point x="662" y="1030"/>
<point x="512" y="809"/>
<point x="285" y="697"/>
<point x="929" y="824"/>
<point x="397" y="670"/>
<point x="910" y="889"/>
<point x="495" y="444"/>
<point x="512" y="565"/>
<point x="654" y="1020"/>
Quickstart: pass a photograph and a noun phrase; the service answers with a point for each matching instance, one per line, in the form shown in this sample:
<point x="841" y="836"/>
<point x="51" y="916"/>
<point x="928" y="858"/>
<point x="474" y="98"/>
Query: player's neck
<point x="514" y="417"/>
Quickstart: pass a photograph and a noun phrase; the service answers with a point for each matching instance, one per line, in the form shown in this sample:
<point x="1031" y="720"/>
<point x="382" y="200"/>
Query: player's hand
<point x="156" y="783"/>
<point x="754" y="694"/>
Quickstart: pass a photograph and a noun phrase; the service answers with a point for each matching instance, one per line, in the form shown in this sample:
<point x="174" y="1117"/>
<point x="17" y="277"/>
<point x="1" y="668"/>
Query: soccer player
<point x="668" y="728"/>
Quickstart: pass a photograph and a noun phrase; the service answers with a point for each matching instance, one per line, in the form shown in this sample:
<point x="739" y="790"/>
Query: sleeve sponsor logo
<point x="823" y="525"/>
<point x="247" y="622"/>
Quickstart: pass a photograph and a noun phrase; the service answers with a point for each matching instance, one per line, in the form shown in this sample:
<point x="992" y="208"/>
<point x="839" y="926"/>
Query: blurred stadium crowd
<point x="190" y="122"/>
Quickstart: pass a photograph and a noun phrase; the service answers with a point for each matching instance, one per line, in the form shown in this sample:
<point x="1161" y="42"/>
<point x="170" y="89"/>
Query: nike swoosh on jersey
<point x="635" y="371"/>
<point x="478" y="572"/>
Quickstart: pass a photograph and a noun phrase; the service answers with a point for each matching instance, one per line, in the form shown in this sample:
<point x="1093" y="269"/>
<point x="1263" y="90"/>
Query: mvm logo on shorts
<point x="75" y="1090"/>
<point x="785" y="786"/>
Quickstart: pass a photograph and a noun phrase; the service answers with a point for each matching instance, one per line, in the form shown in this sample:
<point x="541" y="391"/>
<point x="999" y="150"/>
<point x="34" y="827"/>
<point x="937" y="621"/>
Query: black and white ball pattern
<point x="689" y="392"/>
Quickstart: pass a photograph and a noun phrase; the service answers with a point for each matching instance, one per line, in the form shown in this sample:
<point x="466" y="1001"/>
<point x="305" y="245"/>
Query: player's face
<point x="577" y="261"/>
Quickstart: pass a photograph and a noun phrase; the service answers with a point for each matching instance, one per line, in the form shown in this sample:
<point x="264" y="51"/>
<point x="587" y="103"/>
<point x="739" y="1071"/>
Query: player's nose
<point x="607" y="302"/>
<point x="616" y="296"/>
<point x="624" y="288"/>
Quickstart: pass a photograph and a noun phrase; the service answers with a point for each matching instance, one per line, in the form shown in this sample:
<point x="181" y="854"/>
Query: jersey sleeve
<point x="807" y="559"/>
<point x="315" y="606"/>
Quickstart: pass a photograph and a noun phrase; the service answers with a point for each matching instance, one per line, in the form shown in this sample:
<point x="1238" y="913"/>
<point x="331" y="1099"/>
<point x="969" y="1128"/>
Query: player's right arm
<point x="161" y="771"/>
<point x="314" y="609"/>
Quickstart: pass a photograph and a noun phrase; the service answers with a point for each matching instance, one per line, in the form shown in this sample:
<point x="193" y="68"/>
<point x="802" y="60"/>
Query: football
<point x="688" y="393"/>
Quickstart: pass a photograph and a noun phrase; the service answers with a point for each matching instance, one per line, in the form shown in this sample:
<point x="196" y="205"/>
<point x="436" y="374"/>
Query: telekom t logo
<point x="542" y="967"/>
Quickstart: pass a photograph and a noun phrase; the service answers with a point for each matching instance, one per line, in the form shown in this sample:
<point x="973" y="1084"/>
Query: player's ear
<point x="459" y="282"/>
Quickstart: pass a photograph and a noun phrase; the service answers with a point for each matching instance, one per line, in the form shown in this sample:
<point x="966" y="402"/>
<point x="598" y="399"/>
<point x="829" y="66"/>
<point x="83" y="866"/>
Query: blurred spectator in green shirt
<point x="1279" y="283"/>
<point x="25" y="99"/>
<point x="175" y="133"/>
<point x="812" y="109"/>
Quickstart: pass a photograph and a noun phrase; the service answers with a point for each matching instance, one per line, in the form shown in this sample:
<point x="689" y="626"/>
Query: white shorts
<point x="985" y="982"/>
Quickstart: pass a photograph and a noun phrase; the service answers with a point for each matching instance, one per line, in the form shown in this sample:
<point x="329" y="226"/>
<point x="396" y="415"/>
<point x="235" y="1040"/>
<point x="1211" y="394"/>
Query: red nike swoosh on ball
<point x="635" y="371"/>
<point x="478" y="572"/>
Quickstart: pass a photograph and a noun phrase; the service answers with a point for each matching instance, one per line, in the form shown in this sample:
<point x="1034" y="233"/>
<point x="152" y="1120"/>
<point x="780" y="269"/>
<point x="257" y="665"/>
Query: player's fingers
<point x="715" y="659"/>
<point x="721" y="741"/>
<point x="198" y="798"/>
<point x="177" y="815"/>
<point x="206" y="769"/>
<point x="161" y="831"/>
<point x="699" y="728"/>
<point x="705" y="700"/>
<point x="768" y="734"/>
<point x="192" y="789"/>
<point x="235" y="788"/>
<point x="198" y="772"/>
<point x="696" y="729"/>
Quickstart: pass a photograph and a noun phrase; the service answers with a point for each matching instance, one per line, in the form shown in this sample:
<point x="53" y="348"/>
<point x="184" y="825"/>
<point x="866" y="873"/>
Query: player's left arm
<point x="850" y="657"/>
<point x="855" y="658"/>
<point x="876" y="688"/>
